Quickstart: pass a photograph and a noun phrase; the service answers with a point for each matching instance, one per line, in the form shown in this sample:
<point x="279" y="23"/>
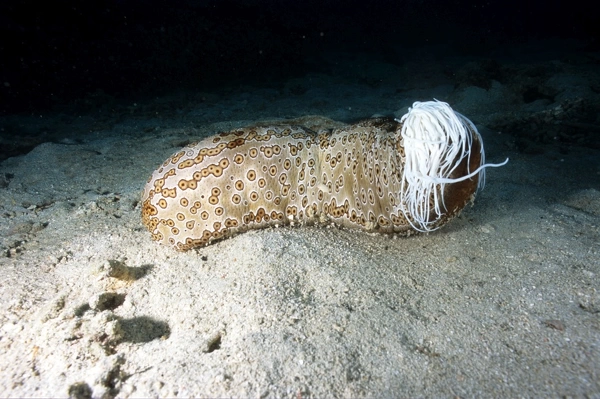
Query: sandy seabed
<point x="504" y="301"/>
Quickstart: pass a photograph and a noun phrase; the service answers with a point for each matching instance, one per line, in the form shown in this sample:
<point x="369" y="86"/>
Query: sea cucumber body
<point x="275" y="175"/>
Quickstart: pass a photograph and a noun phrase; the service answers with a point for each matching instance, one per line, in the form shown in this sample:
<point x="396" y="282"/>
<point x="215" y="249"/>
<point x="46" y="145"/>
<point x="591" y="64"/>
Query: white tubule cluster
<point x="436" y="141"/>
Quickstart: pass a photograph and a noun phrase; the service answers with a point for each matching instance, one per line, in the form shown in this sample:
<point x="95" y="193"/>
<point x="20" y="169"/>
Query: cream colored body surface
<point x="263" y="176"/>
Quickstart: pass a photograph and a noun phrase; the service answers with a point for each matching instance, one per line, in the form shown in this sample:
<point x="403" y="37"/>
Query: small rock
<point x="106" y="301"/>
<point x="555" y="324"/>
<point x="119" y="270"/>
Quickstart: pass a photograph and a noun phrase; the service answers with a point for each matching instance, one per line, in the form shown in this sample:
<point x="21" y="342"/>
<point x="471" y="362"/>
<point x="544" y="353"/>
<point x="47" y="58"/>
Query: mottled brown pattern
<point x="275" y="175"/>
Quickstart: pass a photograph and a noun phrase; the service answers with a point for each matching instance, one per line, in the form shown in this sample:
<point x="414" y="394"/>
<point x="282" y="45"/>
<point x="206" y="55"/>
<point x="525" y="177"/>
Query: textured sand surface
<point x="503" y="301"/>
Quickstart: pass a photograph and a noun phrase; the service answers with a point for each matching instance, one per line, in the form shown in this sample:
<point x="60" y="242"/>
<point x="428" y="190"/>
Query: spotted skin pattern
<point x="275" y="175"/>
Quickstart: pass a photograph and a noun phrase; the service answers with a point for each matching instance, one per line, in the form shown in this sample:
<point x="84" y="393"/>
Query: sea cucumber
<point x="395" y="176"/>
